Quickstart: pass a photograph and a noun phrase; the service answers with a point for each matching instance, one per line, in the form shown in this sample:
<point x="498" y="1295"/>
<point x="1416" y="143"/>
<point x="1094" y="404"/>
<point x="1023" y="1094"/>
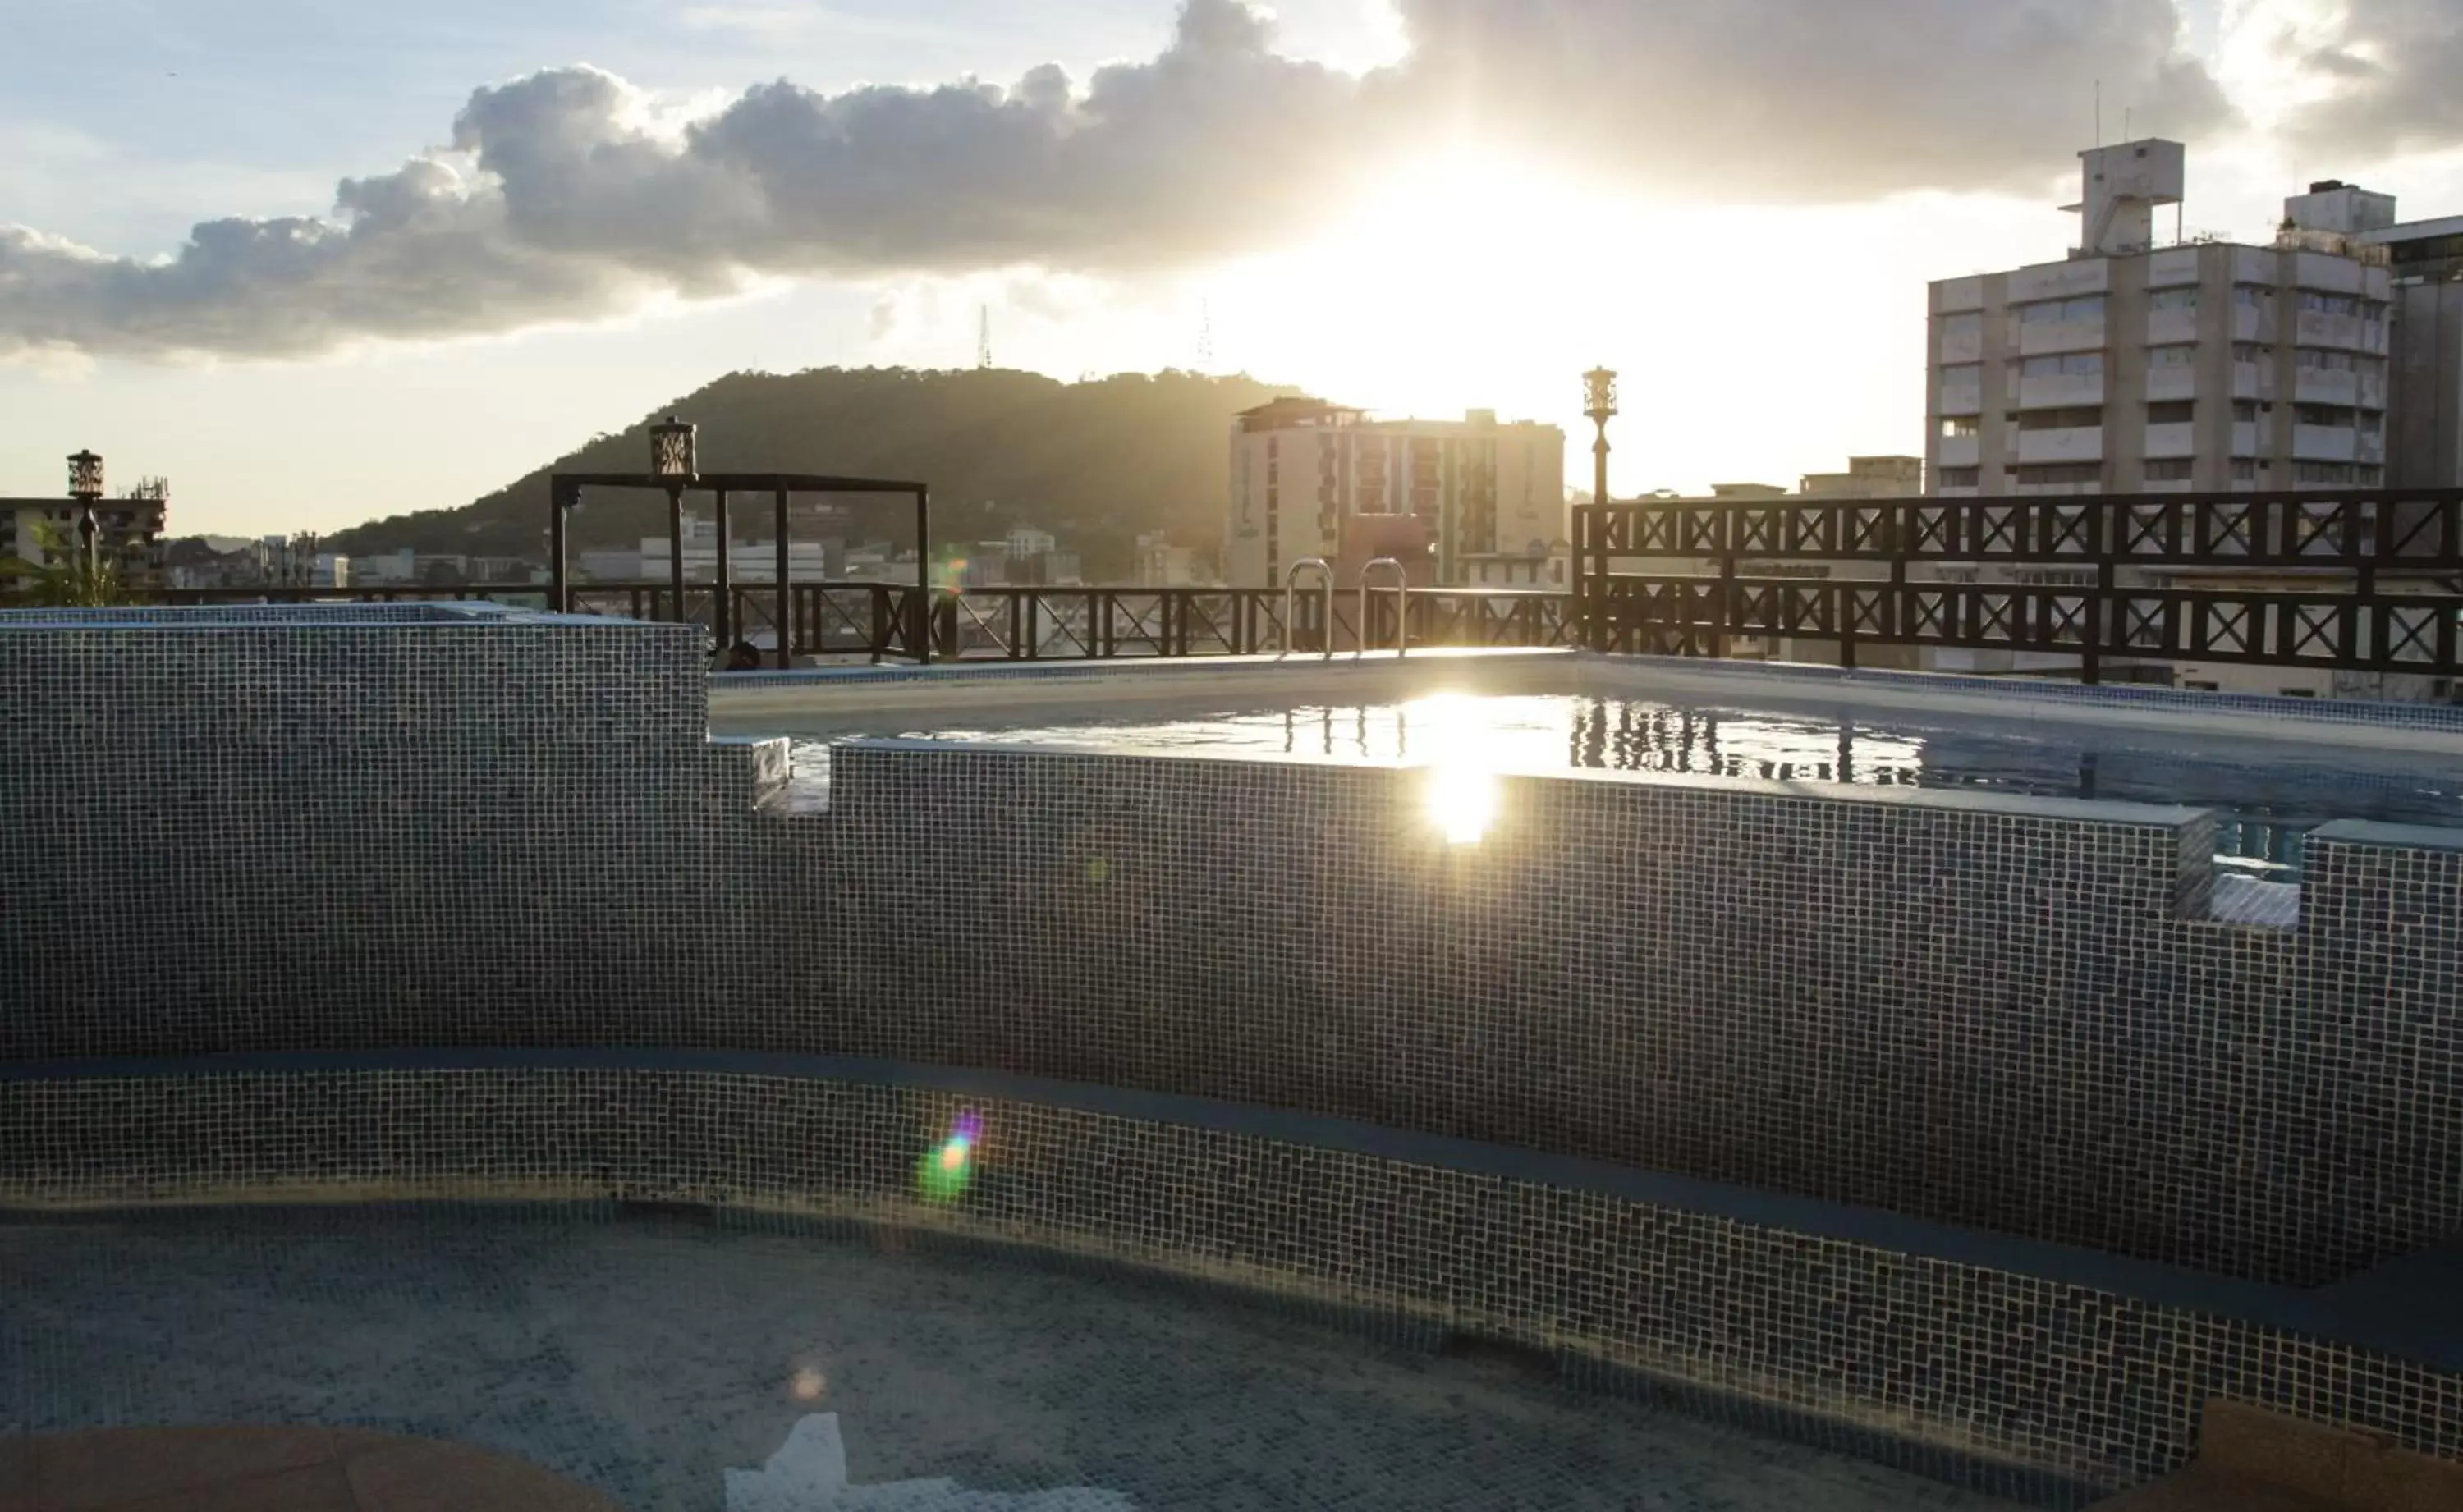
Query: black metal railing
<point x="891" y="621"/>
<point x="2363" y="581"/>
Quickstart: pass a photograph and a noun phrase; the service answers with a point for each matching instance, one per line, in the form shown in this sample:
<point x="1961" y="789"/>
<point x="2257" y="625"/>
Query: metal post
<point x="559" y="579"/>
<point x="1725" y="613"/>
<point x="786" y="641"/>
<point x="676" y="549"/>
<point x="924" y="576"/>
<point x="723" y="613"/>
<point x="1402" y="606"/>
<point x="1600" y="463"/>
<point x="89" y="539"/>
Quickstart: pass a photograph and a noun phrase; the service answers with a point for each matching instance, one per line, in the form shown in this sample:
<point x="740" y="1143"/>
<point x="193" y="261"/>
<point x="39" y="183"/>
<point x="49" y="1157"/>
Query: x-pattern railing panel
<point x="2419" y="527"/>
<point x="2227" y="530"/>
<point x="2375" y="576"/>
<point x="1998" y="530"/>
<point x="2415" y="637"/>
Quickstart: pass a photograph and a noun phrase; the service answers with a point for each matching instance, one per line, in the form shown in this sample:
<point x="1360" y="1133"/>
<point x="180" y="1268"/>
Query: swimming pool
<point x="662" y="1364"/>
<point x="2269" y="786"/>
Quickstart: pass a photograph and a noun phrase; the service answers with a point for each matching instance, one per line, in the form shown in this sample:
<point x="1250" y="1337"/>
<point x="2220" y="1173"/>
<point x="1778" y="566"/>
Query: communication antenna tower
<point x="983" y="336"/>
<point x="1205" y="336"/>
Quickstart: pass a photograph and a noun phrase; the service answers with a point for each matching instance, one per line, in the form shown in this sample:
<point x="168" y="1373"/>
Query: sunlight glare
<point x="1462" y="802"/>
<point x="1463" y="788"/>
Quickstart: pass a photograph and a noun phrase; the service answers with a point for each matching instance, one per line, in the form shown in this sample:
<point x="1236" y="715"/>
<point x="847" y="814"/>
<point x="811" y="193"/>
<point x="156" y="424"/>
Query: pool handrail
<point x="1401" y="605"/>
<point x="1290" y="592"/>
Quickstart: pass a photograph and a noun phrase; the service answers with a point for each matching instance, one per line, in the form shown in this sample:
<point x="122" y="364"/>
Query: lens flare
<point x="945" y="1170"/>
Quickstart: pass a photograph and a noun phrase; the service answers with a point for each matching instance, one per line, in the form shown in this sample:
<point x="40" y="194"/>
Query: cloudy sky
<point x="317" y="261"/>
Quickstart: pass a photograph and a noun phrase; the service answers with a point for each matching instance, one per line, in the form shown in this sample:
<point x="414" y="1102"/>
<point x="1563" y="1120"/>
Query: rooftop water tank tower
<point x="2122" y="186"/>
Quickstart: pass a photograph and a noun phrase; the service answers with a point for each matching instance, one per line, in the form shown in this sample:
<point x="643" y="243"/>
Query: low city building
<point x="1894" y="477"/>
<point x="1160" y="563"/>
<point x="129" y="528"/>
<point x="1478" y="487"/>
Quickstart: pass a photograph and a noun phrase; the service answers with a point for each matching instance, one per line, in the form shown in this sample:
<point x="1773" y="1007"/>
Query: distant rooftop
<point x="1302" y="411"/>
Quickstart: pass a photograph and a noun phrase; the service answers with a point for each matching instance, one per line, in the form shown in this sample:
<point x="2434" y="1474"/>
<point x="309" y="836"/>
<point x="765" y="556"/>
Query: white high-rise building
<point x="2140" y="363"/>
<point x="2425" y="420"/>
<point x="1313" y="479"/>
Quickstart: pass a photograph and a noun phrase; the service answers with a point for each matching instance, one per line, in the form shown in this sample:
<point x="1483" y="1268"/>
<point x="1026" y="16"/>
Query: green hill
<point x="1095" y="462"/>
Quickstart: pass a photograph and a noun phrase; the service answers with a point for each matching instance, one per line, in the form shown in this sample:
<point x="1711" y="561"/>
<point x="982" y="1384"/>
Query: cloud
<point x="569" y="194"/>
<point x="1805" y="101"/>
<point x="2388" y="70"/>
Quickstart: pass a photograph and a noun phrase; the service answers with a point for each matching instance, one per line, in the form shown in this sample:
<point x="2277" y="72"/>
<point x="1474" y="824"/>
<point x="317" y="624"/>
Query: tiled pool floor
<point x="646" y="1358"/>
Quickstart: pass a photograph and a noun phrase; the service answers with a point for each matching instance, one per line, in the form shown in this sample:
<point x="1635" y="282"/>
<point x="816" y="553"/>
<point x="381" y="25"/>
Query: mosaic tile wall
<point x="468" y="830"/>
<point x="1990" y="1011"/>
<point x="1978" y="1011"/>
<point x="1942" y="1365"/>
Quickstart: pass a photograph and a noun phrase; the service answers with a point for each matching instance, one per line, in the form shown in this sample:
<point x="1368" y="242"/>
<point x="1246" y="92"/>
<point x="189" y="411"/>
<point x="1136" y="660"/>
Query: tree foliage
<point x="1096" y="463"/>
<point x="64" y="578"/>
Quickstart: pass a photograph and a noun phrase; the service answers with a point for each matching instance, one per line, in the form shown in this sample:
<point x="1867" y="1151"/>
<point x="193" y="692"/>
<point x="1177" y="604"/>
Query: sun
<point x="1443" y="283"/>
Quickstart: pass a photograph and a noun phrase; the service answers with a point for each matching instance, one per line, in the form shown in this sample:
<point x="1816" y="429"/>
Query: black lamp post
<point x="85" y="487"/>
<point x="1600" y="400"/>
<point x="671" y="463"/>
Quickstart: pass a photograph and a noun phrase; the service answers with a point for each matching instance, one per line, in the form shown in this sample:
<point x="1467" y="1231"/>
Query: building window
<point x="2253" y="297"/>
<point x="2058" y="474"/>
<point x="2177" y="470"/>
<point x="2246" y="353"/>
<point x="1961" y="477"/>
<point x="2085" y="307"/>
<point x="2067" y="364"/>
<point x="2174" y="412"/>
<point x="2310" y="473"/>
<point x="2329" y="304"/>
<point x="2244" y="470"/>
<point x="2300" y="693"/>
<point x="1961" y="424"/>
<point x="2370" y="476"/>
<point x="2074" y="418"/>
<point x="2173" y="298"/>
<point x="2245" y="411"/>
<point x="2333" y="415"/>
<point x="2323" y="360"/>
<point x="2172" y="357"/>
<point x="1966" y="327"/>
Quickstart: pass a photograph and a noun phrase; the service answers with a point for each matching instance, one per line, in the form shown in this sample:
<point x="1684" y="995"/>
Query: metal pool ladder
<point x="1291" y="594"/>
<point x="1401" y="605"/>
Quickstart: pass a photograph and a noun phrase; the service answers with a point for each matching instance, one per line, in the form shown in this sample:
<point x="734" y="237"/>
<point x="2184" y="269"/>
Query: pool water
<point x="2265" y="806"/>
<point x="685" y="1368"/>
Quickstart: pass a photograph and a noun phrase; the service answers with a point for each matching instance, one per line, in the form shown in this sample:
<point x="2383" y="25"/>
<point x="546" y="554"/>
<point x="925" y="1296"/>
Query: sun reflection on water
<point x="1465" y="749"/>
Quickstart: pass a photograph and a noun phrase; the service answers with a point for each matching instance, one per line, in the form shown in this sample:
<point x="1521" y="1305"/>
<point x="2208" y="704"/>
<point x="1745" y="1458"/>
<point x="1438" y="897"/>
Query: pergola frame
<point x="565" y="489"/>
